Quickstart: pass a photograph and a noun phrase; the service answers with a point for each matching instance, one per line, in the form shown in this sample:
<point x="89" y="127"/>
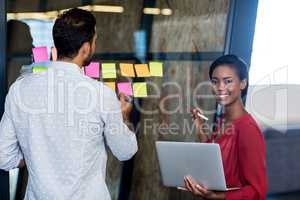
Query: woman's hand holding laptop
<point x="190" y="185"/>
<point x="199" y="190"/>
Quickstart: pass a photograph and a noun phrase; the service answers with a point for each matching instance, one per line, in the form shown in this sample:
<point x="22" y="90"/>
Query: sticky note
<point x="39" y="69"/>
<point x="140" y="90"/>
<point x="127" y="69"/>
<point x="156" y="68"/>
<point x="142" y="70"/>
<point x="109" y="70"/>
<point x="92" y="70"/>
<point x="40" y="54"/>
<point x="125" y="88"/>
<point x="112" y="85"/>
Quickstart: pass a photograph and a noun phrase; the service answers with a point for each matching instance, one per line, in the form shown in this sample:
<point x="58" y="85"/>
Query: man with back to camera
<point x="58" y="121"/>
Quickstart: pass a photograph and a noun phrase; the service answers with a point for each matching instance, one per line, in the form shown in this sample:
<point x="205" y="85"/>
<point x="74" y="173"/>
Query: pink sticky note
<point x="125" y="88"/>
<point x="40" y="54"/>
<point x="92" y="70"/>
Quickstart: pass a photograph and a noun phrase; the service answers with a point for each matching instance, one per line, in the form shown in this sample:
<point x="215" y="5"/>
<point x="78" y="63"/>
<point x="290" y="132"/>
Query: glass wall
<point x="183" y="36"/>
<point x="275" y="46"/>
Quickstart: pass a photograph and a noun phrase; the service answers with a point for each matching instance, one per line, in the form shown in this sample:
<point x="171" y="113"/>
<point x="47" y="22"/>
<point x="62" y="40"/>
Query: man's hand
<point x="126" y="107"/>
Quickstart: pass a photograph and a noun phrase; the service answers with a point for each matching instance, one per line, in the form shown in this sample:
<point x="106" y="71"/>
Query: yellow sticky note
<point x="112" y="85"/>
<point x="142" y="70"/>
<point x="127" y="69"/>
<point x="38" y="69"/>
<point x="109" y="70"/>
<point x="156" y="68"/>
<point x="140" y="89"/>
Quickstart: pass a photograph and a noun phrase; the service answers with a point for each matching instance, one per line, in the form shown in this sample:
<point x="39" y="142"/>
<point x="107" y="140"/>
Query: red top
<point x="243" y="154"/>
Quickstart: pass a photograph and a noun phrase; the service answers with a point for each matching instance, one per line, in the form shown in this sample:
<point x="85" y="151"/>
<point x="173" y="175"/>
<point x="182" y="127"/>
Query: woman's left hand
<point x="200" y="190"/>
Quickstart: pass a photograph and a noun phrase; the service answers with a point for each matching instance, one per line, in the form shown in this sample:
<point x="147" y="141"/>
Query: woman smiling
<point x="240" y="139"/>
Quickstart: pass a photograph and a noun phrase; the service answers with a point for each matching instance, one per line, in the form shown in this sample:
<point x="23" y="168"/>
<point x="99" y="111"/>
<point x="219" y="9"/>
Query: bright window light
<point x="41" y="32"/>
<point x="276" y="43"/>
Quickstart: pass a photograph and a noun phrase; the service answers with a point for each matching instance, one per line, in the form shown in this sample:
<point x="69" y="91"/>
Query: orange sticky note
<point x="142" y="70"/>
<point x="127" y="69"/>
<point x="112" y="85"/>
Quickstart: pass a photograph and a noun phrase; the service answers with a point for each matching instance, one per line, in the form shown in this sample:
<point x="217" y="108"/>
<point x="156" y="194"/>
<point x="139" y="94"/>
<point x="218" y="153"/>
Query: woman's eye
<point x="214" y="82"/>
<point x="228" y="81"/>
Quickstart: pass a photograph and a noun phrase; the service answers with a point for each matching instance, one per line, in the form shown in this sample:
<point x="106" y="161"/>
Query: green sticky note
<point x="38" y="69"/>
<point x="109" y="70"/>
<point x="140" y="89"/>
<point x="156" y="68"/>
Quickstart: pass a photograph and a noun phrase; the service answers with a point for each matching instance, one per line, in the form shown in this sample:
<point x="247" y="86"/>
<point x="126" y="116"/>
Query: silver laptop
<point x="202" y="161"/>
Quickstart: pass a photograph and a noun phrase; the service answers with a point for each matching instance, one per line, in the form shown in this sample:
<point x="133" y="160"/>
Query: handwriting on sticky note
<point x="36" y="69"/>
<point x="40" y="54"/>
<point x="140" y="89"/>
<point x="112" y="85"/>
<point x="127" y="69"/>
<point x="156" y="68"/>
<point x="109" y="70"/>
<point x="92" y="70"/>
<point x="142" y="70"/>
<point x="125" y="88"/>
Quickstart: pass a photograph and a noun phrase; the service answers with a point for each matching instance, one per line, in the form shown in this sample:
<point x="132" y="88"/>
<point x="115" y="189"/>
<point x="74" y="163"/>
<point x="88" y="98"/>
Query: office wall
<point x="195" y="27"/>
<point x="186" y="42"/>
<point x="50" y="5"/>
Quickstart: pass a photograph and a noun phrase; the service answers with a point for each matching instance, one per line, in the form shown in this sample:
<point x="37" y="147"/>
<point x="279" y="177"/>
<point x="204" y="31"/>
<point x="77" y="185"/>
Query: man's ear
<point x="53" y="54"/>
<point x="243" y="84"/>
<point x="85" y="49"/>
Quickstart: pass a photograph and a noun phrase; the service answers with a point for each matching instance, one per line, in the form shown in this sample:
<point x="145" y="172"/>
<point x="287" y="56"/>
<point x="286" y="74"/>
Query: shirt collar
<point x="66" y="66"/>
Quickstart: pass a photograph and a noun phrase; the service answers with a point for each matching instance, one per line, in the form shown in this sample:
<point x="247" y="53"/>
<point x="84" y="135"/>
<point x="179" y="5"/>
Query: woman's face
<point x="227" y="85"/>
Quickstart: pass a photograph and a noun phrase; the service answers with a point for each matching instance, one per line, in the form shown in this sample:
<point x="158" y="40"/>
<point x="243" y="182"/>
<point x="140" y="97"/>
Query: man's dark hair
<point x="234" y="62"/>
<point x="71" y="30"/>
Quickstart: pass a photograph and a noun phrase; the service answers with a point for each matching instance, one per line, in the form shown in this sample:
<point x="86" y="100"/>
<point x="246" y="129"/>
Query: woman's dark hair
<point x="234" y="62"/>
<point x="71" y="30"/>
